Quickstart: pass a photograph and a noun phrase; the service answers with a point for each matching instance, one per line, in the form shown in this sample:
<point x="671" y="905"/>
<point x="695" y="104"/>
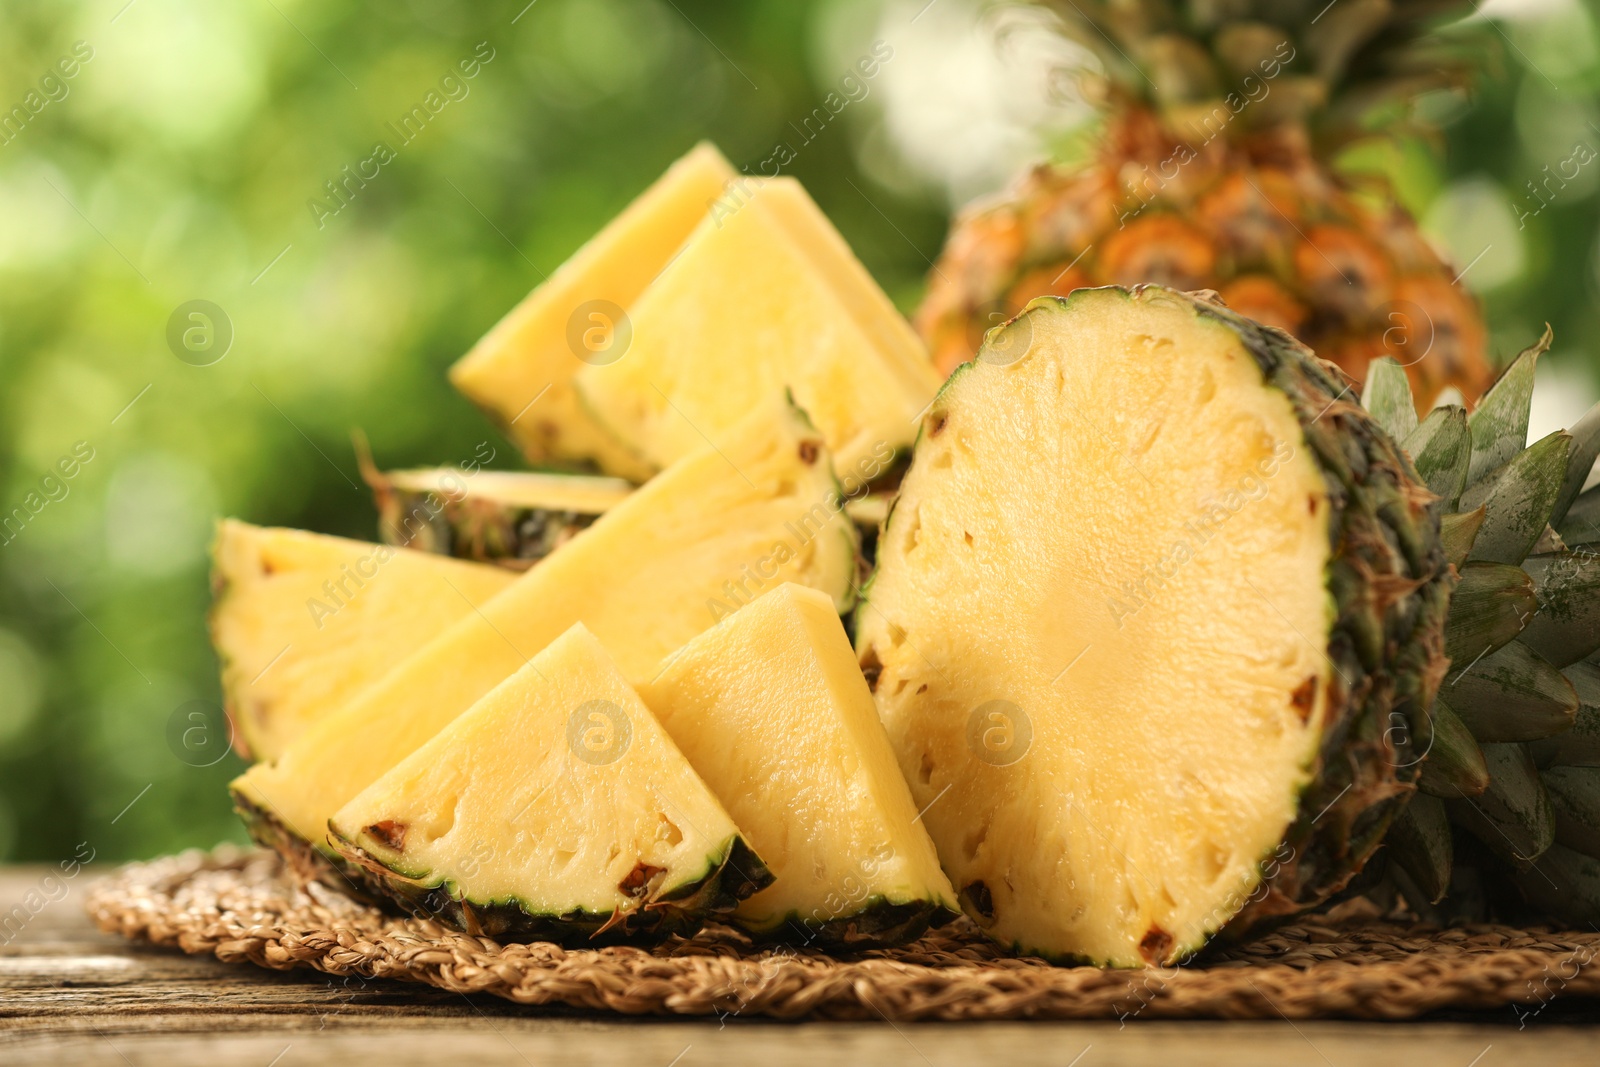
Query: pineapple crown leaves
<point x="1505" y="499"/>
<point x="1520" y="701"/>
<point x="1524" y="616"/>
<point x="1346" y="59"/>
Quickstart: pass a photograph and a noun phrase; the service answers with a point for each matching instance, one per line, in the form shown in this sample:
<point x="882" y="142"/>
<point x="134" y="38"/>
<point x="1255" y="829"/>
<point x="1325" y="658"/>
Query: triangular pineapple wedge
<point x="520" y="373"/>
<point x="302" y="622"/>
<point x="764" y="296"/>
<point x="555" y="808"/>
<point x="771" y="709"/>
<point x="758" y="508"/>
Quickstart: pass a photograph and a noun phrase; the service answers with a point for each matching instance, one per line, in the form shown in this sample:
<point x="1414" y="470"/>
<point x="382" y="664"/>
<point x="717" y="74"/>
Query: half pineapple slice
<point x="765" y="296"/>
<point x="520" y="374"/>
<point x="555" y="809"/>
<point x="703" y="538"/>
<point x="1157" y="621"/>
<point x="302" y="622"/>
<point x="511" y="518"/>
<point x="770" y="707"/>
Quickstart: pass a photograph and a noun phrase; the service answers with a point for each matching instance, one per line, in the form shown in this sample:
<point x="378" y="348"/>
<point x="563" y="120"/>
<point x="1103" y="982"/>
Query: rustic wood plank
<point x="776" y="1045"/>
<point x="70" y="994"/>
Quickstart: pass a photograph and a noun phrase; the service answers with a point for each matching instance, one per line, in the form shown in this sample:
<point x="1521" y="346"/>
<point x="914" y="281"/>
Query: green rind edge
<point x="731" y="875"/>
<point x="877" y="923"/>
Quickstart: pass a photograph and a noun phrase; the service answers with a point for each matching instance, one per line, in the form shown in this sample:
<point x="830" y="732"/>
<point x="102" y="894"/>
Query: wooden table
<point x="70" y="994"/>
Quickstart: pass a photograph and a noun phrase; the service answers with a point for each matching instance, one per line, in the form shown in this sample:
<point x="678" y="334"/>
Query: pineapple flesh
<point x="521" y="372"/>
<point x="1156" y="622"/>
<point x="302" y="622"/>
<point x="763" y="297"/>
<point x="771" y="709"/>
<point x="691" y="547"/>
<point x="555" y="808"/>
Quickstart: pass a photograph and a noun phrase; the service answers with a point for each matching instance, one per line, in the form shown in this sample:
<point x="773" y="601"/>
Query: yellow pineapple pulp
<point x="764" y="297"/>
<point x="302" y="622"/>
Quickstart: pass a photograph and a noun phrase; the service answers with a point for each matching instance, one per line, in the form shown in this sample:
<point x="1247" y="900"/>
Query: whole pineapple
<point x="1212" y="174"/>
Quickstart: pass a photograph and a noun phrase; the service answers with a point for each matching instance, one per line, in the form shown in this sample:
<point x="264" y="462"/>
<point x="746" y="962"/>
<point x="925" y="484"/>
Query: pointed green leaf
<point x="1441" y="448"/>
<point x="1457" y="532"/>
<point x="1579" y="746"/>
<point x="1491" y="604"/>
<point x="1519" y="499"/>
<point x="1513" y="816"/>
<point x="1419" y="841"/>
<point x="1566" y="628"/>
<point x="1585" y="450"/>
<point x="1585" y="678"/>
<point x="1500" y="424"/>
<point x="1513" y="695"/>
<point x="1565" y="884"/>
<point x="1454" y="766"/>
<point x="1575" y="797"/>
<point x="1581" y="524"/>
<point x="1387" y="397"/>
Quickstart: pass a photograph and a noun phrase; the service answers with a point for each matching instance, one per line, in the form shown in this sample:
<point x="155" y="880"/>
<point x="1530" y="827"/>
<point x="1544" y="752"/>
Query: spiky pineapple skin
<point x="1390" y="586"/>
<point x="877" y="923"/>
<point x="1254" y="216"/>
<point x="481" y="530"/>
<point x="306" y="862"/>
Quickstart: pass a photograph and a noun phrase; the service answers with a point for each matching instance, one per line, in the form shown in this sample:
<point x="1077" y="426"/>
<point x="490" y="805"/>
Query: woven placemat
<point x="242" y="906"/>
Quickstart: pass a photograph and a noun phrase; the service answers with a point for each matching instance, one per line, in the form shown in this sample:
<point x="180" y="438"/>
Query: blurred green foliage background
<point x="177" y="163"/>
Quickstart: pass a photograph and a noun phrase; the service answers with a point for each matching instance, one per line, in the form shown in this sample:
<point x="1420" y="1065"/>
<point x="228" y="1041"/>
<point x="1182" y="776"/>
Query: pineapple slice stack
<point x="647" y="576"/>
<point x="709" y="294"/>
<point x="468" y="740"/>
